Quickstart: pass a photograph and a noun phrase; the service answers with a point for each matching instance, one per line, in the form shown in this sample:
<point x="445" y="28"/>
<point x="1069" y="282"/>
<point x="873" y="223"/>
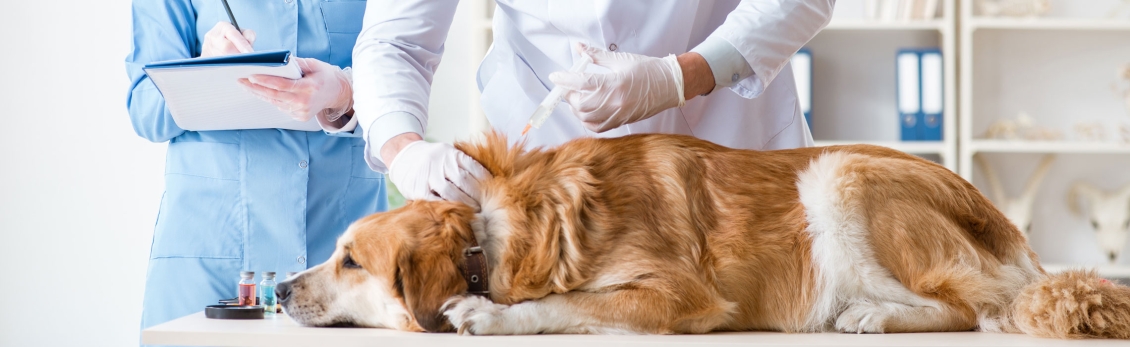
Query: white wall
<point x="78" y="189"/>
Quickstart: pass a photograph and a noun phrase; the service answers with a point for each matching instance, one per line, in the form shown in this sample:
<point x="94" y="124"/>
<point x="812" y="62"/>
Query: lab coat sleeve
<point x="396" y="55"/>
<point x="162" y="30"/>
<point x="765" y="34"/>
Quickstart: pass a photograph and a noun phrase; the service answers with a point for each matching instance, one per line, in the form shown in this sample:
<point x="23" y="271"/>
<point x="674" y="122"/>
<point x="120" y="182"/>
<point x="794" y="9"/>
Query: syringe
<point x="554" y="97"/>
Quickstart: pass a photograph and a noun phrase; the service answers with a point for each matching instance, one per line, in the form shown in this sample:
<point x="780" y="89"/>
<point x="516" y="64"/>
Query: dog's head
<point x="393" y="270"/>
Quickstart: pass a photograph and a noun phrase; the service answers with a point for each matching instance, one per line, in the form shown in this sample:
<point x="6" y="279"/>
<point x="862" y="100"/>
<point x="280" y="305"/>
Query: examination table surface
<point x="281" y="331"/>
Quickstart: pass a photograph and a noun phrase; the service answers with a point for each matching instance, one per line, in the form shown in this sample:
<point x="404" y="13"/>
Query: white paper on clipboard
<point x="204" y="94"/>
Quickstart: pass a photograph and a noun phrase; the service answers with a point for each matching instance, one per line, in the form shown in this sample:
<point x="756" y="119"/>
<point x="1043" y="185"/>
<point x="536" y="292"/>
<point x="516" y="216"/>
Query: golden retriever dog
<point x="667" y="234"/>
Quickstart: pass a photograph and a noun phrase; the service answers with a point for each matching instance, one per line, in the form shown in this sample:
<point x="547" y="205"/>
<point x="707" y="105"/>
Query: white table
<point x="281" y="331"/>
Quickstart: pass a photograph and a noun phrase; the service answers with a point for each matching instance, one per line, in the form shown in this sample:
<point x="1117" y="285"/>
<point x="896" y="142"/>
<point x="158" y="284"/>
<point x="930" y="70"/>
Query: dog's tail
<point x="1073" y="304"/>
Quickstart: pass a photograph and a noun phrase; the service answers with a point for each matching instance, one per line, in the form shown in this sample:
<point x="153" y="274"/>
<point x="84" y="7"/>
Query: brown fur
<point x="1074" y="304"/>
<point x="670" y="234"/>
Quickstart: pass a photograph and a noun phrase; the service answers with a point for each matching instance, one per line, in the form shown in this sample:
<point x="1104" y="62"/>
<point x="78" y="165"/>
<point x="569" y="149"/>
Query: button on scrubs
<point x="257" y="200"/>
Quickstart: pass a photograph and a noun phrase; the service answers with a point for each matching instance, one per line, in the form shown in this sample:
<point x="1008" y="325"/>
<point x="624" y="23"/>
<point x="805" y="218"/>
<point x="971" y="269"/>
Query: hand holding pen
<point x="226" y="38"/>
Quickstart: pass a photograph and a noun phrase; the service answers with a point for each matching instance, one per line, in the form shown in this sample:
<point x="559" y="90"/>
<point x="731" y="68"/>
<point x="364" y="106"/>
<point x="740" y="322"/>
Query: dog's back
<point x="697" y="237"/>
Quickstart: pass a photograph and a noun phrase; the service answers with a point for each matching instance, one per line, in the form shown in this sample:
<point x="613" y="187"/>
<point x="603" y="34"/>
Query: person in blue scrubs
<point x="256" y="200"/>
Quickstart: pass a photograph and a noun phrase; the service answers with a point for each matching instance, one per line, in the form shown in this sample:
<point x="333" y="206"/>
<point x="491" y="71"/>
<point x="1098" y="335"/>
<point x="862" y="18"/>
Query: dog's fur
<point x="661" y="234"/>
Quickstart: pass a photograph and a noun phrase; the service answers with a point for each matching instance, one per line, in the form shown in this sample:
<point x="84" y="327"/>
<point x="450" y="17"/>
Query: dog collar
<point x="475" y="269"/>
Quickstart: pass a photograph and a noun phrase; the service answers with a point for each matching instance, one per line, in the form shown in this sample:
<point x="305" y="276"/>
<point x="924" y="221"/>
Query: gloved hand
<point x="324" y="90"/>
<point x="435" y="171"/>
<point x="637" y="88"/>
<point x="224" y="39"/>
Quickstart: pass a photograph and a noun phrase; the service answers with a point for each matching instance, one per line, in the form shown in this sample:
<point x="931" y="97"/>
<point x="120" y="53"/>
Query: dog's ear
<point x="429" y="270"/>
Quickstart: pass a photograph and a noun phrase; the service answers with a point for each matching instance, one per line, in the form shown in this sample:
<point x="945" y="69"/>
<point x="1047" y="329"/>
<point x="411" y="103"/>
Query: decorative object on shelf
<point x="1122" y="86"/>
<point x="1013" y="8"/>
<point x="1118" y="9"/>
<point x="1019" y="209"/>
<point x="1109" y="215"/>
<point x="1090" y="131"/>
<point x="1021" y="128"/>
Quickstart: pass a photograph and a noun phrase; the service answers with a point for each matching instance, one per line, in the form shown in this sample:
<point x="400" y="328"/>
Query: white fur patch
<point x="847" y="272"/>
<point x="552" y="314"/>
<point x="492" y="229"/>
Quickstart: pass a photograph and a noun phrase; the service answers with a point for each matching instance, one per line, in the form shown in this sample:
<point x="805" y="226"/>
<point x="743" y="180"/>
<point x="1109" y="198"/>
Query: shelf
<point x="1005" y="146"/>
<point x="862" y="24"/>
<point x="917" y="147"/>
<point x="1048" y="24"/>
<point x="1108" y="271"/>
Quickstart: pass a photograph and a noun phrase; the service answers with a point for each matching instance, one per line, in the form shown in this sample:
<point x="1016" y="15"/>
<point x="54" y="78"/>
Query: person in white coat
<point x="716" y="70"/>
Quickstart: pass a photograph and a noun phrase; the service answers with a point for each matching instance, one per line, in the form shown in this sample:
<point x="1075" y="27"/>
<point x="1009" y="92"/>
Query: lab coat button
<point x="302" y="164"/>
<point x="734" y="78"/>
<point x="301" y="259"/>
<point x="613" y="47"/>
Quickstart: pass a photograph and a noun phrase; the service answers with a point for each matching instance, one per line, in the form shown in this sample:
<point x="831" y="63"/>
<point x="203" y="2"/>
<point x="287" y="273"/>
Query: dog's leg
<point x="866" y="316"/>
<point x="628" y="311"/>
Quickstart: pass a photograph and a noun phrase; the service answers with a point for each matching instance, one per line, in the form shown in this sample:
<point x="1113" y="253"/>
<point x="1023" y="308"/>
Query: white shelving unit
<point x="1001" y="146"/>
<point x="853" y="82"/>
<point x="1059" y="69"/>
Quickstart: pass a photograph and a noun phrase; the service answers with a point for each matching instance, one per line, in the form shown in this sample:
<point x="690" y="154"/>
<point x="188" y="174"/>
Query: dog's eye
<point x="348" y="263"/>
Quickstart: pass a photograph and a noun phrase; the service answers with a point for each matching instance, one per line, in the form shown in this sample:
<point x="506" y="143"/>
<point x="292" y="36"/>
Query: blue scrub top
<point x="257" y="200"/>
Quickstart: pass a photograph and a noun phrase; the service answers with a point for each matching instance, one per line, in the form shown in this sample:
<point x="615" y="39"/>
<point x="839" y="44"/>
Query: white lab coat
<point x="402" y="41"/>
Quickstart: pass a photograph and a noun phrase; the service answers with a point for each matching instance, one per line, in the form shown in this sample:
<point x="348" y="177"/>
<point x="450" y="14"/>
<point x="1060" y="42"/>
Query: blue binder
<point x="264" y="58"/>
<point x="802" y="73"/>
<point x="908" y="99"/>
<point x="930" y="121"/>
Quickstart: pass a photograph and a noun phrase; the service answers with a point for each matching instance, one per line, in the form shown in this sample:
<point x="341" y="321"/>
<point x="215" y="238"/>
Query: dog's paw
<point x="475" y="315"/>
<point x="863" y="317"/>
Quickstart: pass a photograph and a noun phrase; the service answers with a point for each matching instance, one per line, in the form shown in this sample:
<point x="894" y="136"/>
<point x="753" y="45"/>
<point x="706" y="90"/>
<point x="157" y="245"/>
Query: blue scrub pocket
<point x="366" y="187"/>
<point x="343" y="24"/>
<point x="202" y="212"/>
<point x="360" y="167"/>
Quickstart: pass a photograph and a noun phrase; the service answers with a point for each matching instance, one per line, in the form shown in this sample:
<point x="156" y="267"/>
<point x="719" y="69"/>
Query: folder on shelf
<point x="871" y="9"/>
<point x="888" y="10"/>
<point x="907" y="84"/>
<point x="203" y="93"/>
<point x="930" y="123"/>
<point x="931" y="10"/>
<point x="802" y="72"/>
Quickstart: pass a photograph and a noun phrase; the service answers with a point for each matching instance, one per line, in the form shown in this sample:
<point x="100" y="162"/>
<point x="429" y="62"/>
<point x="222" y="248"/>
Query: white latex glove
<point x="224" y="39"/>
<point x="324" y="90"/>
<point x="437" y="171"/>
<point x="637" y="87"/>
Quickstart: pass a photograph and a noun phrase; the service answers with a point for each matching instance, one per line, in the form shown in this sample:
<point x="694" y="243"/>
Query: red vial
<point x="246" y="288"/>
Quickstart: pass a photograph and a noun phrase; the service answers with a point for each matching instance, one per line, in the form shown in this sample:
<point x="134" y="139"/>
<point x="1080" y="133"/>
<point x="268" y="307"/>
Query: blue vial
<point x="267" y="293"/>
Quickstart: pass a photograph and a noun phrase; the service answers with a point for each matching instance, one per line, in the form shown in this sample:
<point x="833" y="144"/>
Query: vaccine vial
<point x="267" y="293"/>
<point x="246" y="288"/>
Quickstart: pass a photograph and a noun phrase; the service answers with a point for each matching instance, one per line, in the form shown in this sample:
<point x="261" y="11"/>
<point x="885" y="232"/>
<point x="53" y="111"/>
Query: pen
<point x="230" y="16"/>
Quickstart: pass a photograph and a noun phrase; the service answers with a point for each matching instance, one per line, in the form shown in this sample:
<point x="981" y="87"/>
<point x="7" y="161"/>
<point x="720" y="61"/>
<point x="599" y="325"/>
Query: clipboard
<point x="203" y="93"/>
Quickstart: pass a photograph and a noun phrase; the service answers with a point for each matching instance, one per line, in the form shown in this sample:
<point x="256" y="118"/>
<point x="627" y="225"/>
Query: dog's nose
<point x="282" y="291"/>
